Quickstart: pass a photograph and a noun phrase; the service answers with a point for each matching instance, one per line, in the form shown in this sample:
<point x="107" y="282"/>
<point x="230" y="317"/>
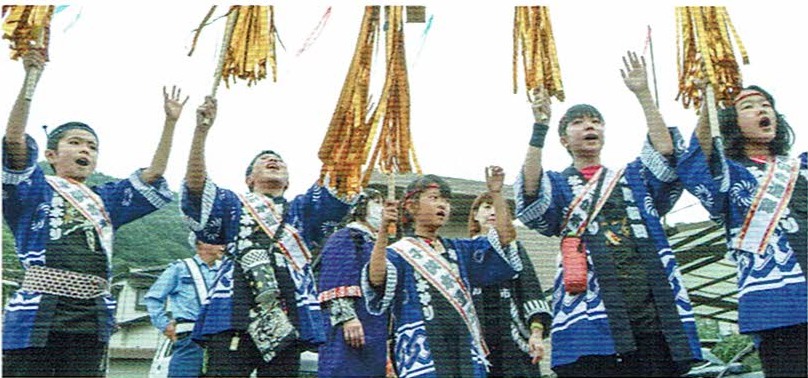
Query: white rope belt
<point x="64" y="283"/>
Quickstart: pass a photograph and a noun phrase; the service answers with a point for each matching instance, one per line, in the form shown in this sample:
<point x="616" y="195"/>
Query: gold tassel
<point x="251" y="45"/>
<point x="705" y="52"/>
<point x="358" y="139"/>
<point x="533" y="38"/>
<point x="27" y="26"/>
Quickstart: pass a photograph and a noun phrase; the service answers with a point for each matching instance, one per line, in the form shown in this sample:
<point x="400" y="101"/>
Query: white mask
<point x="374" y="217"/>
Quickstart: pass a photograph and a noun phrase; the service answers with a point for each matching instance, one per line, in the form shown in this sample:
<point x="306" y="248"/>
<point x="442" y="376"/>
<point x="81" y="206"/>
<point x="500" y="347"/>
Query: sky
<point x="108" y="69"/>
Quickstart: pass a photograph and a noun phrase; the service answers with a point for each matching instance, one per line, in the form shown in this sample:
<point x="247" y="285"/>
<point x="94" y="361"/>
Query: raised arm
<point x="494" y="178"/>
<point x="196" y="171"/>
<point x="15" y="129"/>
<point x="532" y="168"/>
<point x="378" y="258"/>
<point x="173" y="109"/>
<point x="636" y="78"/>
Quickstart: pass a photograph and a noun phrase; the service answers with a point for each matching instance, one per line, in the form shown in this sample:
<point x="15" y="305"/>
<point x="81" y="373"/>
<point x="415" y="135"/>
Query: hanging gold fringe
<point x="251" y="45"/>
<point x="394" y="149"/>
<point x="352" y="132"/>
<point x="344" y="150"/>
<point x="27" y="26"/>
<point x="705" y="53"/>
<point x="533" y="37"/>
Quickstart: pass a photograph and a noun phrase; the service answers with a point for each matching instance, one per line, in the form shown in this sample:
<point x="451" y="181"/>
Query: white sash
<point x="771" y="199"/>
<point x="435" y="269"/>
<point x="90" y="205"/>
<point x="199" y="281"/>
<point x="290" y="243"/>
<point x="610" y="182"/>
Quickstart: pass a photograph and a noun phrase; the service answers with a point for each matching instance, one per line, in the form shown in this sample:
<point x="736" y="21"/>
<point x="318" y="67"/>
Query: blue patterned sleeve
<point x="22" y="189"/>
<point x="379" y="300"/>
<point x="541" y="211"/>
<point x="315" y="212"/>
<point x="659" y="173"/>
<point x="706" y="181"/>
<point x="209" y="214"/>
<point x="129" y="199"/>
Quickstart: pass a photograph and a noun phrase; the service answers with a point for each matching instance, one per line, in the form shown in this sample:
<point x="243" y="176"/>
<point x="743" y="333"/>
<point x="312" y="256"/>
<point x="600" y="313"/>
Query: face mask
<point x="374" y="217"/>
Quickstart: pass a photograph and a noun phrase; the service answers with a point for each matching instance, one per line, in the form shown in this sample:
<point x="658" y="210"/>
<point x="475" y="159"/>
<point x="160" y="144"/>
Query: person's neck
<point x="269" y="190"/>
<point x="756" y="150"/>
<point x="581" y="162"/>
<point x="209" y="260"/>
<point x="426" y="232"/>
<point x="79" y="180"/>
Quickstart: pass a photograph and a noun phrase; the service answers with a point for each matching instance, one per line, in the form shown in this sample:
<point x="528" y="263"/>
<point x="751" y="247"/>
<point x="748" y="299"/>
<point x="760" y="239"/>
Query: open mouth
<point x="591" y="137"/>
<point x="765" y="122"/>
<point x="84" y="162"/>
<point x="441" y="213"/>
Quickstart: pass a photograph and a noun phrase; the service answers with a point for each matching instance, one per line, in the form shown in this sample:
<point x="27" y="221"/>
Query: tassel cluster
<point x="533" y="37"/>
<point x="251" y="45"/>
<point x="705" y="53"/>
<point x="355" y="124"/>
<point x="27" y="26"/>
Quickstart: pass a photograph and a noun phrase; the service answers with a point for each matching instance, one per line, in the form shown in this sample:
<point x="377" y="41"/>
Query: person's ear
<point x="564" y="141"/>
<point x="50" y="156"/>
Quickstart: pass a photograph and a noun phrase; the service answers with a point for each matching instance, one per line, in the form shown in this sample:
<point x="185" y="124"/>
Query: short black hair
<point x="735" y="141"/>
<point x="577" y="111"/>
<point x="58" y="133"/>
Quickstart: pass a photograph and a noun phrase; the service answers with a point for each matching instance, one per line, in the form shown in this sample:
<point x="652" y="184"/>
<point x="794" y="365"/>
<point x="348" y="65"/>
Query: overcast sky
<point x="108" y="70"/>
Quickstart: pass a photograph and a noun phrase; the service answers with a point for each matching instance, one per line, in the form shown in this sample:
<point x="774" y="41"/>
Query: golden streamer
<point x="705" y="53"/>
<point x="251" y="46"/>
<point x="533" y="38"/>
<point x="351" y="149"/>
<point x="27" y="27"/>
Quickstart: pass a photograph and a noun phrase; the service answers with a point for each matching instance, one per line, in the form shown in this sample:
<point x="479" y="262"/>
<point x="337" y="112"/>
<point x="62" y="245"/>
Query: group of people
<point x="421" y="304"/>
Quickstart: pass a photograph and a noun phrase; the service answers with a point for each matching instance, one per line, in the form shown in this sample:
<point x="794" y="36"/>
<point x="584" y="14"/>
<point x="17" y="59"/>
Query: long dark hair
<point x="735" y="141"/>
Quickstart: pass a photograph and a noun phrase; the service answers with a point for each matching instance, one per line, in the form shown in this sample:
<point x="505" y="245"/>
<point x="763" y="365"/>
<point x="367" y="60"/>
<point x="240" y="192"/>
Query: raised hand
<point x="389" y="213"/>
<point x="494" y="178"/>
<point x="172" y="104"/>
<point x="34" y="59"/>
<point x="206" y="114"/>
<point x="634" y="75"/>
<point x="540" y="103"/>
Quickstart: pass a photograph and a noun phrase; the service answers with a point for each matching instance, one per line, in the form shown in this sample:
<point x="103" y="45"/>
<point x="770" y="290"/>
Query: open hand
<point x="172" y="104"/>
<point x="634" y="75"/>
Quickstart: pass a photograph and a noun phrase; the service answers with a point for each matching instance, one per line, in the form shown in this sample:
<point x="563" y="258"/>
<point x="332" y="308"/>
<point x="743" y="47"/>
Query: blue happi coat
<point x="596" y="322"/>
<point x="34" y="212"/>
<point x="772" y="285"/>
<point x="344" y="255"/>
<point x="219" y="217"/>
<point x="419" y="310"/>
